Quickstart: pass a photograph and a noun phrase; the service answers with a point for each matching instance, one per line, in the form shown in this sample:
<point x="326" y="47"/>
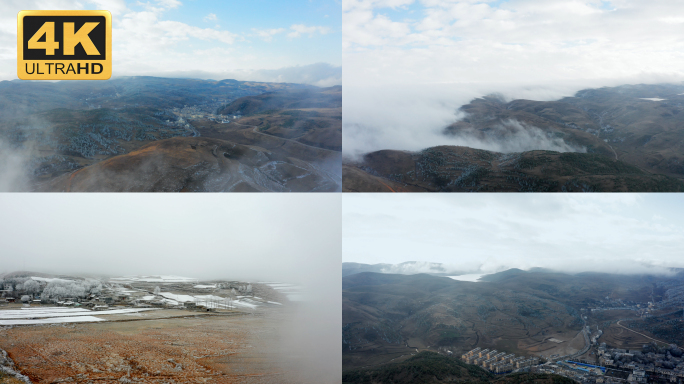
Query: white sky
<point x="259" y="237"/>
<point x="486" y="233"/>
<point x="292" y="238"/>
<point x="260" y="40"/>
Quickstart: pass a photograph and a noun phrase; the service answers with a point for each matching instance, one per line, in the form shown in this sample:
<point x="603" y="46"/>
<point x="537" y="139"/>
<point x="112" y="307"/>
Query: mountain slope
<point x="196" y="164"/>
<point x="389" y="317"/>
<point x="626" y="138"/>
<point x="430" y="367"/>
<point x="455" y="169"/>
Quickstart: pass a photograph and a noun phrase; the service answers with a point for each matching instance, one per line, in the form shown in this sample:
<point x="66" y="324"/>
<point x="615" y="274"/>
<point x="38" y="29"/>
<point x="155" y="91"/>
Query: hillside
<point x="388" y="317"/>
<point x="431" y="367"/>
<point x="463" y="169"/>
<point x="49" y="131"/>
<point x="626" y="138"/>
<point x="197" y="165"/>
<point x="286" y="99"/>
<point x="638" y="124"/>
<point x="310" y="117"/>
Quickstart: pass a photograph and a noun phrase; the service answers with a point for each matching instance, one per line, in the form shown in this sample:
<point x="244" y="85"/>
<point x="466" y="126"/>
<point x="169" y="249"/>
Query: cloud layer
<point x="524" y="41"/>
<point x="626" y="233"/>
<point x="410" y="64"/>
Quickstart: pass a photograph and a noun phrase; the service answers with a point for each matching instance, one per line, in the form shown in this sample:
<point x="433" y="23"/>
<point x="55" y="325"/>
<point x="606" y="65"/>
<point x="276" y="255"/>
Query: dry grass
<point x="211" y="349"/>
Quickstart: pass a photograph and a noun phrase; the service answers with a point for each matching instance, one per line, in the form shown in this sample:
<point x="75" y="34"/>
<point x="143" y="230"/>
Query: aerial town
<point x="650" y="364"/>
<point x="498" y="362"/>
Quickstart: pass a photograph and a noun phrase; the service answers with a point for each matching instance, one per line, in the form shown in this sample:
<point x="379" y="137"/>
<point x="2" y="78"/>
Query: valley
<point x="389" y="319"/>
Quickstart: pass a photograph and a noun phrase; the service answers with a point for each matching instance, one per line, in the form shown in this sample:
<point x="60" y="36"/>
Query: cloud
<point x="518" y="40"/>
<point x="147" y="41"/>
<point x="409" y="65"/>
<point x="629" y="233"/>
<point x="414" y="117"/>
<point x="267" y="34"/>
<point x="301" y="29"/>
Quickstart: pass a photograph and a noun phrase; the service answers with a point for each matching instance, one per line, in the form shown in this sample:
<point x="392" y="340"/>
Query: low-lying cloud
<point x="413" y="117"/>
<point x="514" y="136"/>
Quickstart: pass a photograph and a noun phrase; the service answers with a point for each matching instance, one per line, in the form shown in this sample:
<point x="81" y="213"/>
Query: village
<point x="650" y="364"/>
<point x="133" y="294"/>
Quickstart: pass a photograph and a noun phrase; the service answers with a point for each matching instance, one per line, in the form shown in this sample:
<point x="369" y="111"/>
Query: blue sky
<point x="242" y="17"/>
<point x="260" y="40"/>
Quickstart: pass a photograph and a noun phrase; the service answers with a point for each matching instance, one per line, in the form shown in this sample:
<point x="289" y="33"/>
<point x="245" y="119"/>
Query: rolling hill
<point x="60" y="131"/>
<point x="389" y="317"/>
<point x="463" y="169"/>
<point x="626" y="138"/>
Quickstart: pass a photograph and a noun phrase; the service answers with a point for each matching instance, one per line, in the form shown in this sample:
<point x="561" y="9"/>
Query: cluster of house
<point x="498" y="362"/>
<point x="642" y="366"/>
<point x="96" y="302"/>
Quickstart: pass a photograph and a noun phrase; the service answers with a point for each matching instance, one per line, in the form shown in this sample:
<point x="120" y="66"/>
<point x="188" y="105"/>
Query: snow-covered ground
<point x="200" y="286"/>
<point x="178" y="298"/>
<point x="52" y="320"/>
<point x="47" y="315"/>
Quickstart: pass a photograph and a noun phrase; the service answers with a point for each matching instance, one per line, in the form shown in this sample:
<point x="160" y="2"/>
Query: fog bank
<point x="413" y="117"/>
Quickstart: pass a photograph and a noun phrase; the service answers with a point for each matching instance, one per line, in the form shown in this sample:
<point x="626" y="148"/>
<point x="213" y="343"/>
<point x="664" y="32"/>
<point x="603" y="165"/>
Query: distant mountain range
<point x="406" y="268"/>
<point x="627" y="138"/>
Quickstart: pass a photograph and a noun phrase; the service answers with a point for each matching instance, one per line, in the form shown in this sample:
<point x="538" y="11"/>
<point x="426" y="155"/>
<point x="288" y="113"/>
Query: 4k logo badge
<point x="64" y="45"/>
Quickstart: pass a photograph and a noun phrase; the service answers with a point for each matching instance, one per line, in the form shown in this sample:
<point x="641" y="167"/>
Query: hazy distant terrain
<point x="57" y="136"/>
<point x="626" y="138"/>
<point x="390" y="317"/>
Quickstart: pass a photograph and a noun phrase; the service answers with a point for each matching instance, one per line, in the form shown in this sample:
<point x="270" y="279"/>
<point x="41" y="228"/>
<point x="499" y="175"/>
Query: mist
<point x="413" y="117"/>
<point x="290" y="238"/>
<point x="13" y="162"/>
<point x="468" y="234"/>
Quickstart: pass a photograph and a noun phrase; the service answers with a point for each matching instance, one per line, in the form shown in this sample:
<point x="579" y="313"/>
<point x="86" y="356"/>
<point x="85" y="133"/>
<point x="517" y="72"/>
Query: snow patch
<point x="200" y="286"/>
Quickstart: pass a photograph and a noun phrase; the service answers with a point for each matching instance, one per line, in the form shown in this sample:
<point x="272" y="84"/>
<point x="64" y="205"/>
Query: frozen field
<point x="50" y="315"/>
